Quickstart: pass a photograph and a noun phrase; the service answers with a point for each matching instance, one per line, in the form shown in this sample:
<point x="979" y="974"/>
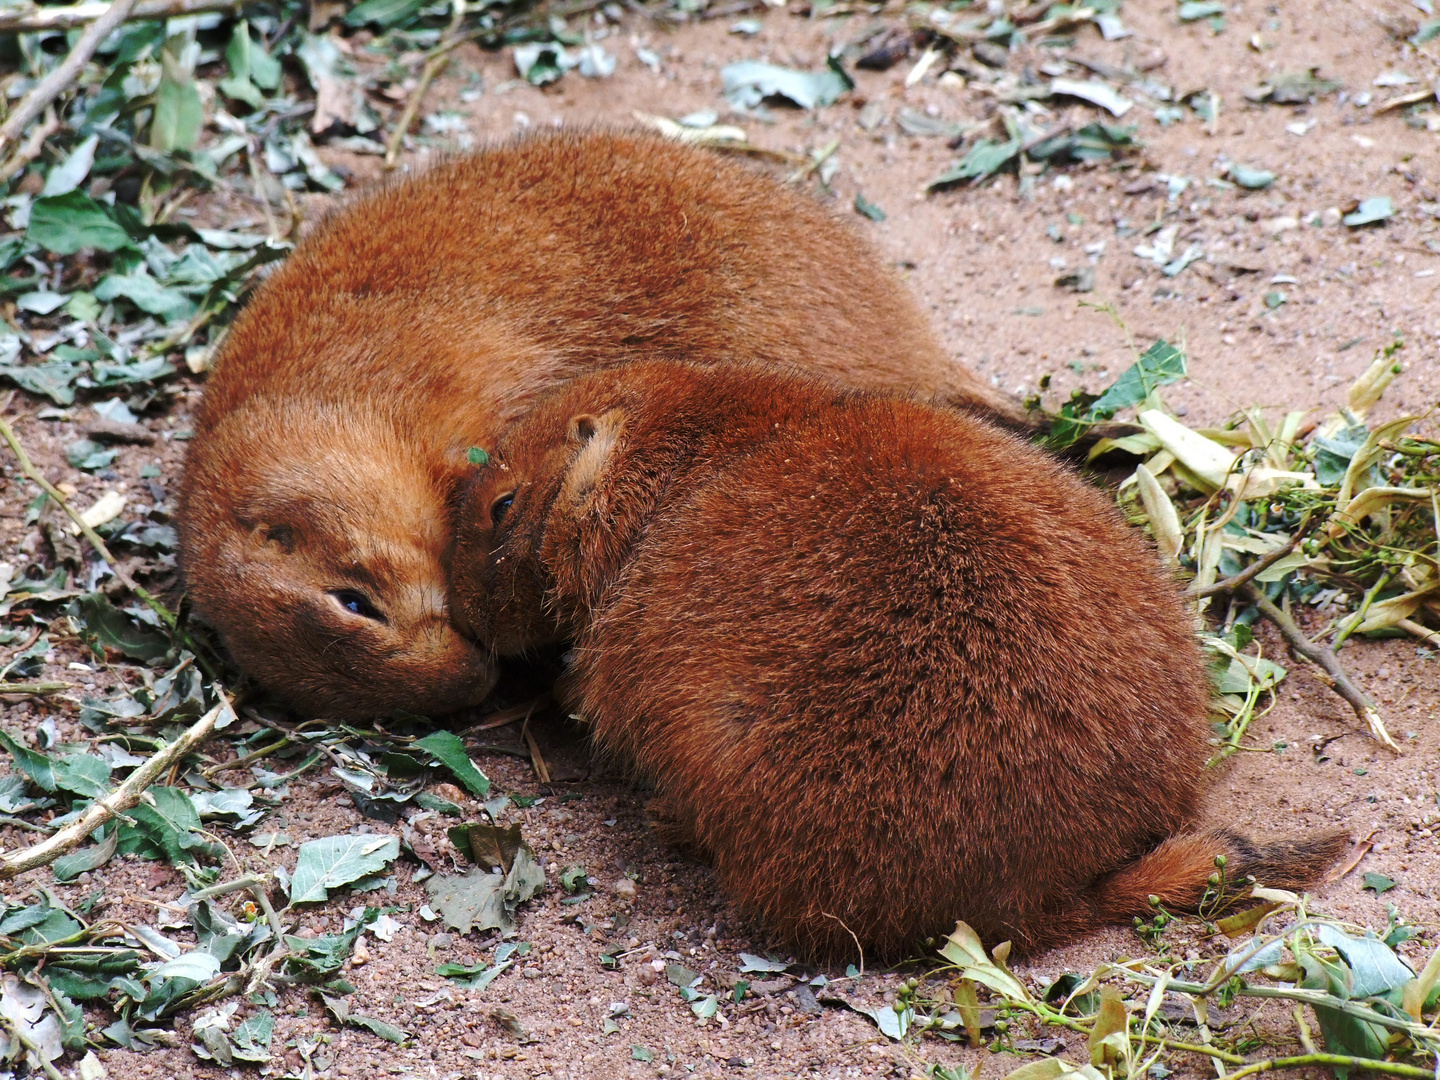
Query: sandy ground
<point x="984" y="264"/>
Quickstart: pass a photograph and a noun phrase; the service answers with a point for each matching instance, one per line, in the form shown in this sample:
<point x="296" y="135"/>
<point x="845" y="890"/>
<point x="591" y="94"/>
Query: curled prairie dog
<point x="888" y="666"/>
<point x="419" y="319"/>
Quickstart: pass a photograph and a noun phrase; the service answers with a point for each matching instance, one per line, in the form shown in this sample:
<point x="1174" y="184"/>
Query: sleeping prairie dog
<point x="888" y="666"/>
<point x="419" y="319"/>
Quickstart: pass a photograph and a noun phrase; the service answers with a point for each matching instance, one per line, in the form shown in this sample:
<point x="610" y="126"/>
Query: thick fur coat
<point x="413" y="324"/>
<point x="888" y="666"/>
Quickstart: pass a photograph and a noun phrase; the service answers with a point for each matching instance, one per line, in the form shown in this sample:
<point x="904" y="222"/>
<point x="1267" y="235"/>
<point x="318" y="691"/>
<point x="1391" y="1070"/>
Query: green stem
<point x="1348" y="626"/>
<point x="150" y="600"/>
<point x="1391" y="1068"/>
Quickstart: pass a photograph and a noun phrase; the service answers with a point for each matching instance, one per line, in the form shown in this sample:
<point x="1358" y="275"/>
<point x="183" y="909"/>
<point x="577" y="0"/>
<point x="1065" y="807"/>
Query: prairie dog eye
<point x="357" y="603"/>
<point x="500" y="507"/>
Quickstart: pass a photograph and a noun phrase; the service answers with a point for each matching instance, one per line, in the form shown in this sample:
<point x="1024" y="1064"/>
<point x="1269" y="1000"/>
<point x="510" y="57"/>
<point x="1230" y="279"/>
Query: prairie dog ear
<point x="596" y="437"/>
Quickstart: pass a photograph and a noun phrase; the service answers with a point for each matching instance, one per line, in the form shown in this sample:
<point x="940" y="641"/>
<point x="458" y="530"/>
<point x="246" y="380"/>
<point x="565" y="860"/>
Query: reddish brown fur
<point x="889" y="667"/>
<point x="412" y="325"/>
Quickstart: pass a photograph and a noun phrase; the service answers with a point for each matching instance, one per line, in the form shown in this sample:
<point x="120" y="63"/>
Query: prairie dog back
<point x="888" y="666"/>
<point x="419" y="319"/>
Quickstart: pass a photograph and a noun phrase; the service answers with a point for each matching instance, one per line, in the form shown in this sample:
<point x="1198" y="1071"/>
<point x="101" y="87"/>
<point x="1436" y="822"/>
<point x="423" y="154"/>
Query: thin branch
<point x="151" y="601"/>
<point x="35" y="689"/>
<point x="434" y="64"/>
<point x="1410" y="626"/>
<point x="30" y="149"/>
<point x="1339" y="1061"/>
<point x="117" y="802"/>
<point x="1334" y="675"/>
<point x="1259" y="566"/>
<point x="63" y="74"/>
<point x="31" y="19"/>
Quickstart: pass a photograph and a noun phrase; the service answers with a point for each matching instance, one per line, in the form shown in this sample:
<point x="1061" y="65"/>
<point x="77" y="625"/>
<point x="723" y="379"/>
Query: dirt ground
<point x="984" y="261"/>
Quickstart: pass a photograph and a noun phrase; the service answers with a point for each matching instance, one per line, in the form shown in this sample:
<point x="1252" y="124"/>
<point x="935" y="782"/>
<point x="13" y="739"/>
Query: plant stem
<point x="1259" y="566"/>
<point x="38" y="689"/>
<point x="1334" y="675"/>
<point x="64" y="18"/>
<point x="1359" y="616"/>
<point x="434" y="64"/>
<point x="1390" y="1068"/>
<point x="150" y="600"/>
<point x="117" y="802"/>
<point x="63" y="74"/>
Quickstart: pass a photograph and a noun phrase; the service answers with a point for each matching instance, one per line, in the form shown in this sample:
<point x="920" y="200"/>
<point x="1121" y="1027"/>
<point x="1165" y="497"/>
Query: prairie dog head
<point x="323" y="561"/>
<point x="519" y="526"/>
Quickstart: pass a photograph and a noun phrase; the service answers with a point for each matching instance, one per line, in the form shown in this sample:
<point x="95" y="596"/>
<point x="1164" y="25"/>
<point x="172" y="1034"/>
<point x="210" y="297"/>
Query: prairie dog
<point x="415" y="322"/>
<point x="888" y="666"/>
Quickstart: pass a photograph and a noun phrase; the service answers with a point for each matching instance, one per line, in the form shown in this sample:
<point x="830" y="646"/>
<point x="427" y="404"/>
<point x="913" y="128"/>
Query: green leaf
<point x="1344" y="1034"/>
<point x="963" y="949"/>
<point x="87" y="775"/>
<point x="105" y="625"/>
<point x="750" y="962"/>
<point x="447" y="748"/>
<point x="147" y="294"/>
<point x="1248" y="177"/>
<point x="1373" y="964"/>
<point x="473" y="976"/>
<point x="1379" y="882"/>
<point x="64" y="224"/>
<point x="71" y="173"/>
<point x="867" y="208"/>
<point x="35" y="765"/>
<point x="641" y="1053"/>
<point x="749" y="82"/>
<point x="69" y="867"/>
<point x="54" y="380"/>
<point x="383" y="13"/>
<point x="1159" y="365"/>
<point x="166" y="826"/>
<point x="476" y="456"/>
<point x="316" y="959"/>
<point x="1370" y="212"/>
<point x="339" y="1008"/>
<point x="179" y="113"/>
<point x="90" y="455"/>
<point x="1194" y="10"/>
<point x="983" y="159"/>
<point x="476" y="900"/>
<point x="252" y="1038"/>
<point x="334" y="861"/>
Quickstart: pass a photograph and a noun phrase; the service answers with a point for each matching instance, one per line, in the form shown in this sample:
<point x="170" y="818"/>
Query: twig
<point x="1231" y="584"/>
<point x="1361" y="1064"/>
<point x="30" y="149"/>
<point x="434" y="64"/>
<point x="150" y="599"/>
<point x="510" y="715"/>
<point x="25" y="1040"/>
<point x="1410" y="626"/>
<point x="241" y="762"/>
<point x="224" y="888"/>
<point x="29" y="20"/>
<point x="817" y="159"/>
<point x="117" y="802"/>
<point x="1294" y="993"/>
<point x="38" y="689"/>
<point x="1334" y="675"/>
<point x="537" y="759"/>
<point x="858" y="947"/>
<point x="63" y="74"/>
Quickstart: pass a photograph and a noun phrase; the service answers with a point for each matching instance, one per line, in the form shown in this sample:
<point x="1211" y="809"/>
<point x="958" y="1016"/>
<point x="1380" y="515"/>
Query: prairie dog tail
<point x="1178" y="871"/>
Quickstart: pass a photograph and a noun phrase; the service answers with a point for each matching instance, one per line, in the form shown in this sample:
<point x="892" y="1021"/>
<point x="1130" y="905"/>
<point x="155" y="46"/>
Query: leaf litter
<point x="113" y="294"/>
